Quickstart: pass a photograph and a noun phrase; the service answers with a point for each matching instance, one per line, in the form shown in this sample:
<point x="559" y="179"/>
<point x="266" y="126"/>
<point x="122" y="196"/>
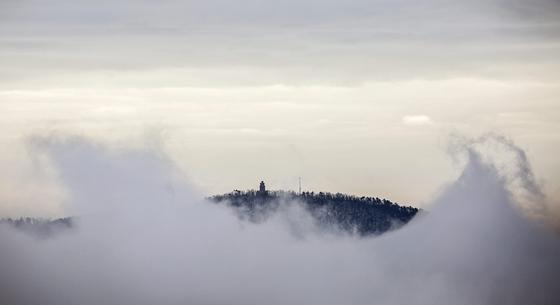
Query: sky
<point x="356" y="96"/>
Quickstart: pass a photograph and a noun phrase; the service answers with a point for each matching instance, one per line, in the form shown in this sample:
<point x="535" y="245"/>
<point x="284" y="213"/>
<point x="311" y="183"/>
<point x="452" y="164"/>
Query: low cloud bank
<point x="144" y="236"/>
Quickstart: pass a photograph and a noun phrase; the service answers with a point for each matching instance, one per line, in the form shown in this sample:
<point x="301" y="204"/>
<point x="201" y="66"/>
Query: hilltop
<point x="363" y="215"/>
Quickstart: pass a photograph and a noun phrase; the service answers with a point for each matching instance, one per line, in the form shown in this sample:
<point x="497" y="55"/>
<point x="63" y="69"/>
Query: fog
<point x="145" y="235"/>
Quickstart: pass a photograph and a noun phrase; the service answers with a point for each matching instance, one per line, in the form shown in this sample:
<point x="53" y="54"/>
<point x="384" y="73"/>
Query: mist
<point x="144" y="234"/>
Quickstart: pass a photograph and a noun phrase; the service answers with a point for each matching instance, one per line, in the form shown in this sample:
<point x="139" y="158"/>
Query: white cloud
<point x="417" y="120"/>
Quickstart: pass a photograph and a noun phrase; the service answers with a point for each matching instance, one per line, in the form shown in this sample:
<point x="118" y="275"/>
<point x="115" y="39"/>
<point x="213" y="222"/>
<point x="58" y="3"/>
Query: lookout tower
<point x="262" y="188"/>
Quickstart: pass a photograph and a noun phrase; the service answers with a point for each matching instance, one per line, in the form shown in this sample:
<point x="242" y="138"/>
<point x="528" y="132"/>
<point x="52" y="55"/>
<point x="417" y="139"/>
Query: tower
<point x="262" y="188"/>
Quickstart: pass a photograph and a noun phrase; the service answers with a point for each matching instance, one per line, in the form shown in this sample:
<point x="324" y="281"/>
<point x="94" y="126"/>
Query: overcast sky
<point x="353" y="96"/>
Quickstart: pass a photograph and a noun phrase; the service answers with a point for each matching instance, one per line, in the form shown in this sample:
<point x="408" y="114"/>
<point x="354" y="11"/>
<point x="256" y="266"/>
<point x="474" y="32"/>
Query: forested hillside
<point x="38" y="227"/>
<point x="363" y="215"/>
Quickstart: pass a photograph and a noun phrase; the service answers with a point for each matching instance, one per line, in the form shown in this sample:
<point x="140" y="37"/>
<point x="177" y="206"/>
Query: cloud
<point x="290" y="42"/>
<point x="148" y="238"/>
<point x="417" y="120"/>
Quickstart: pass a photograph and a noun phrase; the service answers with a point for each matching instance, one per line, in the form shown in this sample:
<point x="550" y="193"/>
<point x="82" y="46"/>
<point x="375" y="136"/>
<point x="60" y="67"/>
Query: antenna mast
<point x="300" y="185"/>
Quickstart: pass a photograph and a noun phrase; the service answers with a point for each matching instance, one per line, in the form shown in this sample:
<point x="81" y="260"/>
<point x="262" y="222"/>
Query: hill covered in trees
<point x="38" y="227"/>
<point x="362" y="215"/>
<point x="352" y="214"/>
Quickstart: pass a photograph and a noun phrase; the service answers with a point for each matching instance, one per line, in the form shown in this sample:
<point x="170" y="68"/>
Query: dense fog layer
<point x="145" y="236"/>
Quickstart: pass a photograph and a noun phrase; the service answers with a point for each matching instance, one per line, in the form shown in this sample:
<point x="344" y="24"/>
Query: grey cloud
<point x="285" y="42"/>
